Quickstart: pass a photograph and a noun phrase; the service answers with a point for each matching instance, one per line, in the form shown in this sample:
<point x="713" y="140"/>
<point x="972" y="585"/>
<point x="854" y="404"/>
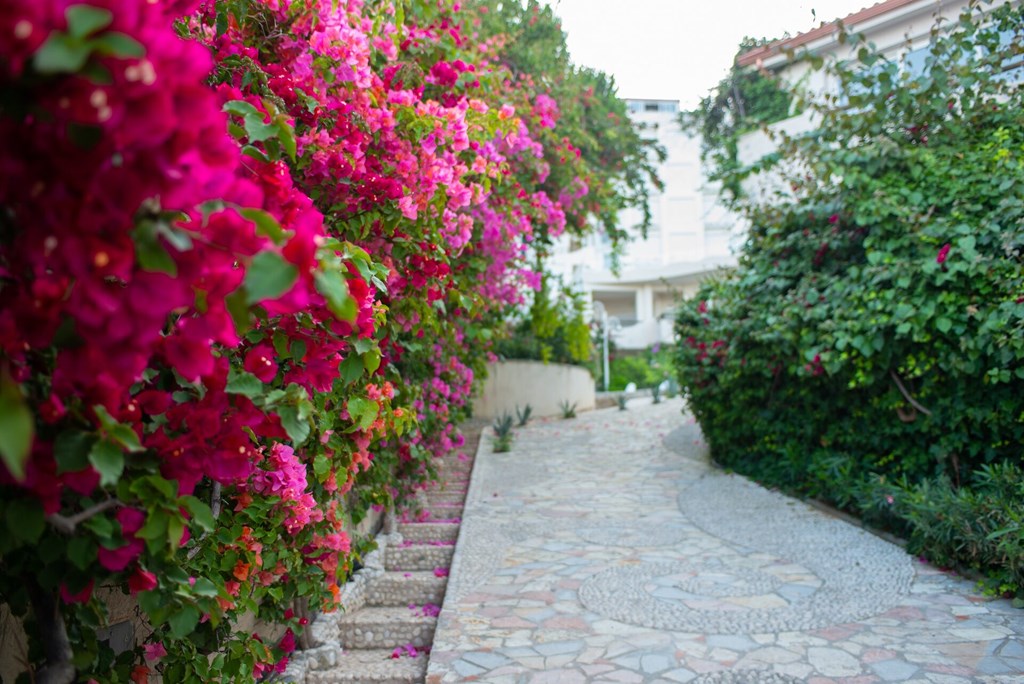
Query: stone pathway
<point x="607" y="549"/>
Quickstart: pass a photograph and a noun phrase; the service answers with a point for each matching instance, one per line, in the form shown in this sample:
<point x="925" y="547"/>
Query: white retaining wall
<point x="543" y="386"/>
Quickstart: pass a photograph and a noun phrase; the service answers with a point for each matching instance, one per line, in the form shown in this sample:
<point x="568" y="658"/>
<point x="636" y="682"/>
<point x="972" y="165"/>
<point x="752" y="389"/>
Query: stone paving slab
<point x="608" y="549"/>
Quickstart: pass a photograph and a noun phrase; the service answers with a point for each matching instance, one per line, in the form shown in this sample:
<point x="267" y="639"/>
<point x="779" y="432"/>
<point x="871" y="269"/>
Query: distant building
<point x="690" y="237"/>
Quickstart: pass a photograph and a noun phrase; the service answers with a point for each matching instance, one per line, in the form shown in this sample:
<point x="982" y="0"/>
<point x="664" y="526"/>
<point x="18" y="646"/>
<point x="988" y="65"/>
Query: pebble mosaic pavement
<point x="608" y="549"/>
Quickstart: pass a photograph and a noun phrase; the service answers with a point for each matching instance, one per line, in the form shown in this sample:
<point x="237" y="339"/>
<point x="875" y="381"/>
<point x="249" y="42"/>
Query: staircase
<point x="384" y="633"/>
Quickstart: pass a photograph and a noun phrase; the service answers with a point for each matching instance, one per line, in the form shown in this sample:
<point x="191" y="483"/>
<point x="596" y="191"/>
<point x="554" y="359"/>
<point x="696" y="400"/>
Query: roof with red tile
<point x="762" y="53"/>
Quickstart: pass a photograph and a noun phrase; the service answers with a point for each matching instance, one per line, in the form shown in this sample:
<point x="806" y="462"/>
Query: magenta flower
<point x="943" y="254"/>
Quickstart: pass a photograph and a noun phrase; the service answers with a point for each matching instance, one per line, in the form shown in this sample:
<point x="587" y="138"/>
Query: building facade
<point x="690" y="236"/>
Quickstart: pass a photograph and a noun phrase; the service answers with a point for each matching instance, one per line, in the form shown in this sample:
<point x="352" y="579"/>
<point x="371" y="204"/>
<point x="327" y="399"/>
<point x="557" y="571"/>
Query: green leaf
<point x="332" y="286"/>
<point x="296" y="426"/>
<point x="155" y="529"/>
<point x="246" y="384"/>
<point x="240" y="108"/>
<point x="150" y="252"/>
<point x="175" y="236"/>
<point x="118" y="44"/>
<point x="352" y="369"/>
<point x="943" y="324"/>
<point x="371" y="360"/>
<point x="363" y="411"/>
<point x="268" y="277"/>
<point x="108" y="460"/>
<point x="25" y="519"/>
<point x="81" y="552"/>
<point x="126" y="437"/>
<point x="182" y="622"/>
<point x="286" y="134"/>
<point x="121" y="433"/>
<point x="238" y="307"/>
<point x="321" y="466"/>
<point x="266" y="225"/>
<point x="71" y="450"/>
<point x="202" y="514"/>
<point x="84" y="20"/>
<point x="61" y="54"/>
<point x="204" y="587"/>
<point x="17" y="428"/>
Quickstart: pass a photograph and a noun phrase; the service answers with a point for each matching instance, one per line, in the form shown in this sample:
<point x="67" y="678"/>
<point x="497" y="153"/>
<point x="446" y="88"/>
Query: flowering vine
<point x="250" y="256"/>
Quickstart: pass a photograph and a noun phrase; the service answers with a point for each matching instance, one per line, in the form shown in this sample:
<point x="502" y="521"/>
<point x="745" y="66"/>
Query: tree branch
<point x="215" y="500"/>
<point x="54" y="636"/>
<point x="906" y="395"/>
<point x="215" y="504"/>
<point x="67" y="524"/>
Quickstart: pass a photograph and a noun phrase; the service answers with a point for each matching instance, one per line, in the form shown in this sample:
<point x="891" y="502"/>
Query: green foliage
<point x="568" y="410"/>
<point x="980" y="526"/>
<point x="621" y="400"/>
<point x="503" y="435"/>
<point x="554" y="329"/>
<point x="648" y="368"/>
<point x="873" y="329"/>
<point x="523" y="416"/>
<point x="744" y="100"/>
<point x="617" y="164"/>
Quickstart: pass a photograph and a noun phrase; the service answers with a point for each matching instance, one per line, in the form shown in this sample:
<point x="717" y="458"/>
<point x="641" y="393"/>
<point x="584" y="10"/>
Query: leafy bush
<point x="979" y="526"/>
<point x="645" y="369"/>
<point x="873" y="329"/>
<point x="553" y="329"/>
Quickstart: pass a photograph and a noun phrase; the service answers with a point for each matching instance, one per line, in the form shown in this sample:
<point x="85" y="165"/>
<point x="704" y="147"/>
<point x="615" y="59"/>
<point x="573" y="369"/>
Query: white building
<point x="896" y="28"/>
<point x="690" y="236"/>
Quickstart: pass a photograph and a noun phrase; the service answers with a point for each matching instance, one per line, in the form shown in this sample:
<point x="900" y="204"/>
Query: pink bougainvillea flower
<point x="287" y="643"/>
<point x="943" y="254"/>
<point x="260" y="362"/>
<point x="79" y="597"/>
<point x="119" y="558"/>
<point x="141" y="580"/>
<point x="154" y="651"/>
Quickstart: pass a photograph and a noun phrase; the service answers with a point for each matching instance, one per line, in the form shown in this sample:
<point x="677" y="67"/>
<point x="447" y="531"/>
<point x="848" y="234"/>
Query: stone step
<point x="372" y="666"/>
<point x="444" y="508"/>
<point x="429" y="531"/>
<point x="388" y="627"/>
<point x="452" y="493"/>
<point x="449" y="473"/>
<point x="418" y="557"/>
<point x="403" y="588"/>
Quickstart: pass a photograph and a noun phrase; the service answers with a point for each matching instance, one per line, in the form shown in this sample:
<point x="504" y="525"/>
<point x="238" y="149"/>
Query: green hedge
<point x="873" y="332"/>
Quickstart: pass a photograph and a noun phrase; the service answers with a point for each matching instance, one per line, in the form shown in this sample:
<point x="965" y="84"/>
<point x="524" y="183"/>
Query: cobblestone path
<point x="607" y="549"/>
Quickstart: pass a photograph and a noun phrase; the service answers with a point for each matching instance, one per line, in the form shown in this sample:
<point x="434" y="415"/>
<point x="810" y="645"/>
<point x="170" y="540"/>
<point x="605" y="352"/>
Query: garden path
<point x="608" y="549"/>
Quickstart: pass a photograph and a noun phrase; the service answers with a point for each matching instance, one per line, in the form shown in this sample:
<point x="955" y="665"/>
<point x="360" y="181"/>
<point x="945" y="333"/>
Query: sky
<point x="680" y="49"/>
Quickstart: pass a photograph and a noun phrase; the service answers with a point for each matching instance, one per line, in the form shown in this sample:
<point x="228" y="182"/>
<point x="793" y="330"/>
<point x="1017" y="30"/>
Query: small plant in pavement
<point x="503" y="435"/>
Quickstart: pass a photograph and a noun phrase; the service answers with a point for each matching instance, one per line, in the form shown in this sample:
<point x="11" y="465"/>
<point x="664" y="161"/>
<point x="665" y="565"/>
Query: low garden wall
<point x="544" y="386"/>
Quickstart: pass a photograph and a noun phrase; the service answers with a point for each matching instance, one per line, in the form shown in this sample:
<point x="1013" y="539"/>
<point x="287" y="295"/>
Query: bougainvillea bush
<point x="871" y="335"/>
<point x="251" y="252"/>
